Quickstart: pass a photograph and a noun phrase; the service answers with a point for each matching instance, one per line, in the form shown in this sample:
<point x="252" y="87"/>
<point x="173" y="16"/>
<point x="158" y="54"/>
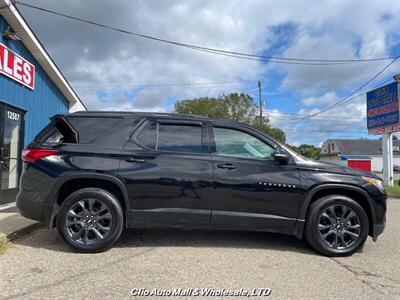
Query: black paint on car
<point x="91" y="174"/>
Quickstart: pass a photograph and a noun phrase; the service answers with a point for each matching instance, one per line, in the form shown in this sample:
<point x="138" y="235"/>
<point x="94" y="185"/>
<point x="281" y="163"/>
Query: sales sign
<point x="17" y="68"/>
<point x="383" y="109"/>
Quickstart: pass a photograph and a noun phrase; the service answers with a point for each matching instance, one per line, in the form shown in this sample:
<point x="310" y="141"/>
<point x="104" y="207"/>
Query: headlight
<point x="375" y="182"/>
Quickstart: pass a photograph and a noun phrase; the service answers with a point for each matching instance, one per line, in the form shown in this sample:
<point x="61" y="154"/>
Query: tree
<point x="308" y="150"/>
<point x="235" y="106"/>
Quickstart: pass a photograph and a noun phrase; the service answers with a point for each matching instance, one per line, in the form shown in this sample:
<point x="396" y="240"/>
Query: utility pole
<point x="259" y="97"/>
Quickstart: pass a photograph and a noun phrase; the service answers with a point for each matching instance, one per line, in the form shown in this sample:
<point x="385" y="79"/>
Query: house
<point x="364" y="154"/>
<point x="32" y="88"/>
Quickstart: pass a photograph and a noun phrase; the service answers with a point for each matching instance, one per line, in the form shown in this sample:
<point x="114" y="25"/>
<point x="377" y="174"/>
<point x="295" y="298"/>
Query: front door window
<point x="230" y="142"/>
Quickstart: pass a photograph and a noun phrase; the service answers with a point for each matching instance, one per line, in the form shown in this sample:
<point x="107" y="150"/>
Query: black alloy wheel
<point x="339" y="226"/>
<point x="90" y="220"/>
<point x="336" y="225"/>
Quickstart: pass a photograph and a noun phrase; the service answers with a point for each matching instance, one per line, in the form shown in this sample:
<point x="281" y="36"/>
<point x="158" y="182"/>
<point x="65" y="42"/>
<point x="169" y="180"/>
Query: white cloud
<point x="340" y="30"/>
<point x="327" y="98"/>
<point x="109" y="64"/>
<point x="350" y="117"/>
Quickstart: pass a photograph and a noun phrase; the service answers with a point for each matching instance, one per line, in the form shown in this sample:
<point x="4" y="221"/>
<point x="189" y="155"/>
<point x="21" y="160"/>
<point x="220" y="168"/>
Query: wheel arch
<point x="70" y="183"/>
<point x="353" y="192"/>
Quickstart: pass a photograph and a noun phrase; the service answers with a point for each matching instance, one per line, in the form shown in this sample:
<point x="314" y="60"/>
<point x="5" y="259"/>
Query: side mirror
<point x="281" y="158"/>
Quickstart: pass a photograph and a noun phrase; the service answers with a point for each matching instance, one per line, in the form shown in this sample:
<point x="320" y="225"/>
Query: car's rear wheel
<point x="90" y="220"/>
<point x="336" y="225"/>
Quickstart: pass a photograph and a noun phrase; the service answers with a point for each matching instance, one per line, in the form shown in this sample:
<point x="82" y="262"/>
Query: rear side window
<point x="54" y="138"/>
<point x="55" y="133"/>
<point x="73" y="129"/>
<point x="50" y="133"/>
<point x="90" y="128"/>
<point x="179" y="138"/>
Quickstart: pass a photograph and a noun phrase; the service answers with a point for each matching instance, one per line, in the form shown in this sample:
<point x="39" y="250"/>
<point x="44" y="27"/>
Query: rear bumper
<point x="33" y="207"/>
<point x="32" y="198"/>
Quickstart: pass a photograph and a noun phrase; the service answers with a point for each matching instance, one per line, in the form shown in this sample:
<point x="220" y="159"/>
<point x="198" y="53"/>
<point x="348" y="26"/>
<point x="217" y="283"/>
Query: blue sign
<point x="383" y="109"/>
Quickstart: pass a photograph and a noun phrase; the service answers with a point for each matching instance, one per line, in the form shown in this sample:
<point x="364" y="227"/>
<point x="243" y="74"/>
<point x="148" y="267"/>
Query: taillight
<point x="33" y="154"/>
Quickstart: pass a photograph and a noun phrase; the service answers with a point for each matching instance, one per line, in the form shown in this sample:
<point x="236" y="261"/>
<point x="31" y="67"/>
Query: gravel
<point x="40" y="266"/>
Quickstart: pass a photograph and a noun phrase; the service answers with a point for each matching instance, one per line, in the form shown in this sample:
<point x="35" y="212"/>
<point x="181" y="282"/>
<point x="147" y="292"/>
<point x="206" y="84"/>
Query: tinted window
<point x="54" y="138"/>
<point x="236" y="143"/>
<point x="90" y="128"/>
<point x="48" y="133"/>
<point x="147" y="137"/>
<point x="180" y="138"/>
<point x="52" y="134"/>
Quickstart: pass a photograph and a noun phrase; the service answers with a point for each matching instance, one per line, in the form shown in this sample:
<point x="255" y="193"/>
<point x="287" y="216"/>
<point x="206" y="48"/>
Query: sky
<point x="115" y="71"/>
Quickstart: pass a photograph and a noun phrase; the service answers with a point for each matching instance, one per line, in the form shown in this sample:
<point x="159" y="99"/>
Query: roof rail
<point x="140" y="113"/>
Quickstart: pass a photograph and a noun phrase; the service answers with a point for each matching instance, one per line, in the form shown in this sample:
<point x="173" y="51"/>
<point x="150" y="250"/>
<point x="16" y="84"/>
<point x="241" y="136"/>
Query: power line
<point x="150" y="85"/>
<point x="284" y="60"/>
<point x="324" y="116"/>
<point x="273" y="59"/>
<point x="249" y="57"/>
<point x="349" y="97"/>
<point x="304" y="115"/>
<point x="316" y="115"/>
<point x="323" y="131"/>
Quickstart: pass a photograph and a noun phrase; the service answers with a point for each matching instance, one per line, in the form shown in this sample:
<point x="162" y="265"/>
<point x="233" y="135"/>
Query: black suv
<point x="91" y="174"/>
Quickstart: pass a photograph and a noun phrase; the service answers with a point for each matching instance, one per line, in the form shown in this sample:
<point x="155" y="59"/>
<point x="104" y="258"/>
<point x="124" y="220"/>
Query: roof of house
<point x="13" y="17"/>
<point x="359" y="146"/>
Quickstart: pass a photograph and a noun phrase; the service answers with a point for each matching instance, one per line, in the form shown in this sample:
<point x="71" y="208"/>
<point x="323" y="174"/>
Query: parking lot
<point x="40" y="266"/>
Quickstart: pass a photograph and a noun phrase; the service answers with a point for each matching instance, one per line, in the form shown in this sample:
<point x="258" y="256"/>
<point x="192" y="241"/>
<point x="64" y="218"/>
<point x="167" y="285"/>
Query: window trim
<point x="205" y="138"/>
<point x="243" y="130"/>
<point x="182" y="123"/>
<point x="138" y="130"/>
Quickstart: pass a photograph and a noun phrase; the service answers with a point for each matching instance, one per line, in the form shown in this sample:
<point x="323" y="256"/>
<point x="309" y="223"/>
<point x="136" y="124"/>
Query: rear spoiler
<point x="70" y="135"/>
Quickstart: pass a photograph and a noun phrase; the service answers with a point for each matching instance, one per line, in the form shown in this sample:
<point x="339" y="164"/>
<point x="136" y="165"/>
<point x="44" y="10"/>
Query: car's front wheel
<point x="336" y="225"/>
<point x="90" y="220"/>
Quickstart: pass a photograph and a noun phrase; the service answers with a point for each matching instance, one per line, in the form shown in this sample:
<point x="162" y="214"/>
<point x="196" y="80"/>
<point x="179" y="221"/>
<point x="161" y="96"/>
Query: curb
<point x="21" y="232"/>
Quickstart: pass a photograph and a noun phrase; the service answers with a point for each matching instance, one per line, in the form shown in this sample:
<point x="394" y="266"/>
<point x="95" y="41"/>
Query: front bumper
<point x="380" y="207"/>
<point x="377" y="230"/>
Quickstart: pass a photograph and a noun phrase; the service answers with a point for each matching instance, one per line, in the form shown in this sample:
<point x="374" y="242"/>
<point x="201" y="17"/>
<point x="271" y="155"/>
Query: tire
<point x="90" y="220"/>
<point x="333" y="234"/>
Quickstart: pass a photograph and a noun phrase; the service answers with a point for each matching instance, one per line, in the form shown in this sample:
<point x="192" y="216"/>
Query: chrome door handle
<point x="226" y="166"/>
<point x="135" y="160"/>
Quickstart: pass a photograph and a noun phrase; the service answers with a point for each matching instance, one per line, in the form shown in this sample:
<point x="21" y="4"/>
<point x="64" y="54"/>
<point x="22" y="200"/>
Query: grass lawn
<point x="393" y="190"/>
<point x="3" y="241"/>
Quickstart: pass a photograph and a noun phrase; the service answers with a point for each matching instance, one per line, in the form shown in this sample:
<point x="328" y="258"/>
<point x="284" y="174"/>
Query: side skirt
<point x="146" y="219"/>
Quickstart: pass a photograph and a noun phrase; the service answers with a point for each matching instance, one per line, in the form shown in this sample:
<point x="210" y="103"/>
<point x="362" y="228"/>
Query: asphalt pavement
<point x="40" y="266"/>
